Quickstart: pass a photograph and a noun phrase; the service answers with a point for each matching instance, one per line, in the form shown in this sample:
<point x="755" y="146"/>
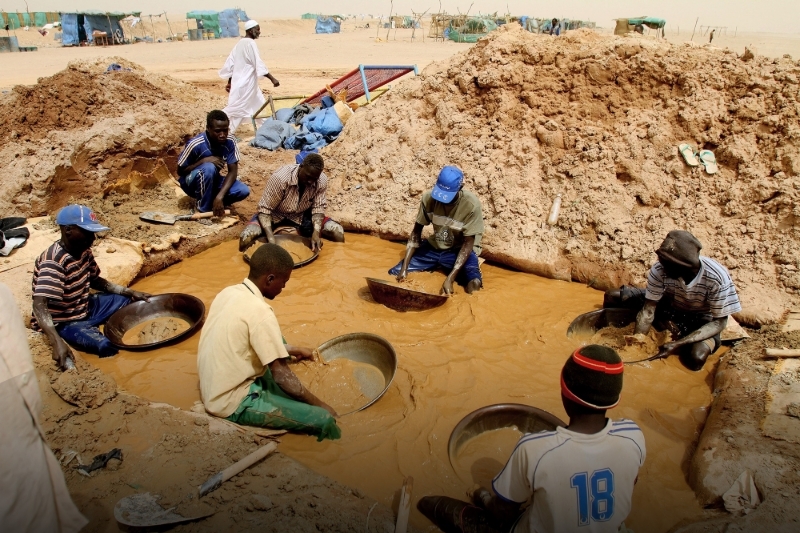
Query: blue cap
<point x="81" y="216"/>
<point x="448" y="184"/>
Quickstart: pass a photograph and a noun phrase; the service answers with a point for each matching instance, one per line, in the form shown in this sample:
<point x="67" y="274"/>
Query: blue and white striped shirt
<point x="711" y="292"/>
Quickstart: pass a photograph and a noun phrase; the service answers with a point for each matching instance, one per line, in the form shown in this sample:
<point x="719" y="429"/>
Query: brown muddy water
<point x="505" y="343"/>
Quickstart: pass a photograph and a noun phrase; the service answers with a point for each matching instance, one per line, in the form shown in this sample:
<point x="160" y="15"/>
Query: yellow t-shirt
<point x="240" y="338"/>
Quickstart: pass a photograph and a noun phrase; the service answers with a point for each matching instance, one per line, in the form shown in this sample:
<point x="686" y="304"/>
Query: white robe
<point x="33" y="493"/>
<point x="243" y="67"/>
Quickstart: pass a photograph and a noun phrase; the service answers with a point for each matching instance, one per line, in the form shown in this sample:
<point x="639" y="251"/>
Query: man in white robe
<point x="33" y="493"/>
<point x="242" y="70"/>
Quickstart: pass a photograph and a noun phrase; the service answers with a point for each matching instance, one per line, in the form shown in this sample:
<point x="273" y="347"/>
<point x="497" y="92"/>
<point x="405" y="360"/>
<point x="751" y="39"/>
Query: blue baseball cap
<point x="448" y="184"/>
<point x="81" y="216"/>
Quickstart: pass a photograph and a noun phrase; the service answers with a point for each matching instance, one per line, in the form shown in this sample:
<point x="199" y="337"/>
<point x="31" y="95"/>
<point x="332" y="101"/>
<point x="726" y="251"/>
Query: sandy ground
<point x="303" y="61"/>
<point x="97" y="418"/>
<point x="290" y="49"/>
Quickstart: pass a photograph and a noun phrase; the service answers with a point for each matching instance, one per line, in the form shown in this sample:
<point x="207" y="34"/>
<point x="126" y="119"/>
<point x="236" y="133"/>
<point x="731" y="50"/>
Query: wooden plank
<point x="781" y="352"/>
<point x="404" y="509"/>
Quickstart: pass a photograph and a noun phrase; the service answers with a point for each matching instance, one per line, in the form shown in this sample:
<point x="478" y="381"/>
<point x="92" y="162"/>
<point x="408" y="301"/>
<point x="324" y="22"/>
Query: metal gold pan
<point x="525" y="418"/>
<point x="402" y="299"/>
<point x="183" y="306"/>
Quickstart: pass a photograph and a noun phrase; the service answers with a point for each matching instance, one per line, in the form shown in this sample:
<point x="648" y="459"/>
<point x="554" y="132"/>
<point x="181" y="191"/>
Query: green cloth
<point x="210" y="20"/>
<point x="463" y="217"/>
<point x="650" y="22"/>
<point x="267" y="406"/>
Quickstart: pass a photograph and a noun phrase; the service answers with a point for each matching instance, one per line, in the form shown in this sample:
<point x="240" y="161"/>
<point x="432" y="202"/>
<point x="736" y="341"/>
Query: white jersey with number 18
<point x="577" y="483"/>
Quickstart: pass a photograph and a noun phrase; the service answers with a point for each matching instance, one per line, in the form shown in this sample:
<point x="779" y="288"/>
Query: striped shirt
<point x="199" y="147"/>
<point x="64" y="280"/>
<point x="281" y="198"/>
<point x="579" y="483"/>
<point x="710" y="293"/>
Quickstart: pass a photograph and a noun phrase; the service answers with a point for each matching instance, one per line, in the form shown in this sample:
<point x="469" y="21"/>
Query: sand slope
<point x="598" y="120"/>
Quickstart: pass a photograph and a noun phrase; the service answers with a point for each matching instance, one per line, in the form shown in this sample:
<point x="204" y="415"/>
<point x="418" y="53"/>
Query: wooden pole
<point x="781" y="352"/>
<point x="695" y="27"/>
<point x="168" y="26"/>
<point x="404" y="509"/>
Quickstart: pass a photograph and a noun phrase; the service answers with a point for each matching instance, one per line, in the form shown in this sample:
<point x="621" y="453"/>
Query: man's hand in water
<point x="316" y="243"/>
<point x="666" y="349"/>
<point x="447" y="286"/>
<point x="300" y="352"/>
<point x="401" y="276"/>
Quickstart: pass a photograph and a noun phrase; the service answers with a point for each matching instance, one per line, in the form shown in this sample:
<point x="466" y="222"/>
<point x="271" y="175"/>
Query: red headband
<point x="597" y="366"/>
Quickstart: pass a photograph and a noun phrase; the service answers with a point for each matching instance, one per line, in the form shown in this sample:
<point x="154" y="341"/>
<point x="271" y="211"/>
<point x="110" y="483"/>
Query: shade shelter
<point x="78" y="26"/>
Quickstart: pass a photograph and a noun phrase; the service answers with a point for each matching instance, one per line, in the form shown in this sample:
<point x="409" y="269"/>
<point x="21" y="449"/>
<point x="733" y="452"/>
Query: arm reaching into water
<point x="291" y="385"/>
<point x="413" y="243"/>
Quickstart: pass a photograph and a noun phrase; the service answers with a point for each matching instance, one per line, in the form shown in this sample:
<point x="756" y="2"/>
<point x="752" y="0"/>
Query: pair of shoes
<point x="704" y="157"/>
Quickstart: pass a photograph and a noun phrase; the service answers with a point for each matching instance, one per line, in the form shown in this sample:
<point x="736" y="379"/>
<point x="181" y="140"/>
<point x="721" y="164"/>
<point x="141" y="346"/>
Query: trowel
<point x="166" y="218"/>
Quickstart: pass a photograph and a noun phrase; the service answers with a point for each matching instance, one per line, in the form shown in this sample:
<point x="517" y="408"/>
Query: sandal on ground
<point x="709" y="161"/>
<point x="688" y="155"/>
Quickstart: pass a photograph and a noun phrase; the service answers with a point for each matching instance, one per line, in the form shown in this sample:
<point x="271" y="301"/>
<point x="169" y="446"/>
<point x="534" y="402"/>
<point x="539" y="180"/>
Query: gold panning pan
<point x="402" y="299"/>
<point x="184" y="307"/>
<point x="368" y="349"/>
<point x="525" y="418"/>
<point x="298" y="247"/>
<point x="593" y="321"/>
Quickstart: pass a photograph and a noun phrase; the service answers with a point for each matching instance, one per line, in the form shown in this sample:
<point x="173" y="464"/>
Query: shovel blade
<point x="157" y="217"/>
<point x="143" y="510"/>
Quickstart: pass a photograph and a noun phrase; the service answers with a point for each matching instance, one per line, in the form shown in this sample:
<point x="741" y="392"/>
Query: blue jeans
<point x="203" y="184"/>
<point x="429" y="258"/>
<point x="84" y="335"/>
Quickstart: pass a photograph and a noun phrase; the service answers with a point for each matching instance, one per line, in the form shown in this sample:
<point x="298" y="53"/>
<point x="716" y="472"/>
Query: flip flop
<point x="688" y="155"/>
<point x="709" y="161"/>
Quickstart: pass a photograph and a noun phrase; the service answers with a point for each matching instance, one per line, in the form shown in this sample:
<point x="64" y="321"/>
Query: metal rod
<point x="364" y="81"/>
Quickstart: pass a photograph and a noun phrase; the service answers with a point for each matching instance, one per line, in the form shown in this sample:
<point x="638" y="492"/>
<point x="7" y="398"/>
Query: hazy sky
<point x="780" y="16"/>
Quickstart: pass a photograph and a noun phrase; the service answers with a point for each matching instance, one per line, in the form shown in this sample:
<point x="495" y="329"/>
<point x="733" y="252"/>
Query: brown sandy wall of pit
<point x="78" y="132"/>
<point x="597" y="119"/>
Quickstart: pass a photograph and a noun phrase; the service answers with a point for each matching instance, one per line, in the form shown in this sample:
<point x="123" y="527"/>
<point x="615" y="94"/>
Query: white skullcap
<point x="250" y="24"/>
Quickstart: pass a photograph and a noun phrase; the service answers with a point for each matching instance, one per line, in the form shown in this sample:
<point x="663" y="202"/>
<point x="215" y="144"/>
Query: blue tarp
<point x="272" y="133"/>
<point x="72" y="35"/>
<point x="328" y="25"/>
<point x="229" y="22"/>
<point x="318" y="129"/>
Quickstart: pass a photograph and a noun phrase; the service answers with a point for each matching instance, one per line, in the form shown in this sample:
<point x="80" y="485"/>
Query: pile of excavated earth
<point x="597" y="120"/>
<point x="85" y="130"/>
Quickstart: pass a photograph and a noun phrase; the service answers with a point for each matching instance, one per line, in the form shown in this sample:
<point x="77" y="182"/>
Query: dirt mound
<point x="74" y="135"/>
<point x="598" y="120"/>
<point x="74" y="97"/>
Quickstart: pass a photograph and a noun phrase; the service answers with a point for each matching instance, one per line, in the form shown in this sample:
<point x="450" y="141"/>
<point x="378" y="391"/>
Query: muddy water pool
<point x="505" y="343"/>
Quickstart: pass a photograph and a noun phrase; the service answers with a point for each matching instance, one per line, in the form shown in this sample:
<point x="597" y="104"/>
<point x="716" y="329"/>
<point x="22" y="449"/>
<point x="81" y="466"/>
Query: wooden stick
<point x="695" y="28"/>
<point x="219" y="478"/>
<point x="781" y="352"/>
<point x="403" y="510"/>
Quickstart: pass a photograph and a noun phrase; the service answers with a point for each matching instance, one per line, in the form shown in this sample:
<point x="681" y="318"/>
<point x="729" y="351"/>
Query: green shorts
<point x="267" y="406"/>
